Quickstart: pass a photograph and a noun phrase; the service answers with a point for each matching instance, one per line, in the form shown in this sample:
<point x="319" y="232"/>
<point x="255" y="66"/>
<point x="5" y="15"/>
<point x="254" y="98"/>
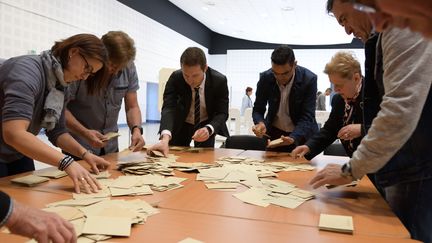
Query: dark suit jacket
<point x="328" y="133"/>
<point x="177" y="101"/>
<point x="302" y="102"/>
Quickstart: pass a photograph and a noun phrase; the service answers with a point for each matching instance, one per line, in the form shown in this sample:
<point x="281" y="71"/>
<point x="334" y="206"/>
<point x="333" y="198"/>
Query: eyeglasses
<point x="87" y="68"/>
<point x="363" y="7"/>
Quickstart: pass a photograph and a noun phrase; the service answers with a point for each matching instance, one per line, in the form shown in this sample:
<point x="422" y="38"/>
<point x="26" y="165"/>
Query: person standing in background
<point x="246" y="102"/>
<point x="321" y="100"/>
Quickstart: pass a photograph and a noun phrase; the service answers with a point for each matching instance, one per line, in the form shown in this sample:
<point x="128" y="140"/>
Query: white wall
<point x="243" y="68"/>
<point x="27" y="25"/>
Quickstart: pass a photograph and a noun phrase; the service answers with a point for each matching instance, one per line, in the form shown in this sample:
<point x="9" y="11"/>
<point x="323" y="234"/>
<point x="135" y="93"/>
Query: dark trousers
<point x="184" y="137"/>
<point x="276" y="133"/>
<point x="24" y="164"/>
<point x="411" y="202"/>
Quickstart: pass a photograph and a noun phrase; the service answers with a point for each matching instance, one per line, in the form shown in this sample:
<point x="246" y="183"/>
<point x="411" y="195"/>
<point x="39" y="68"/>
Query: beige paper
<point x="254" y="196"/>
<point x="68" y="213"/>
<point x="221" y="185"/>
<point x="107" y="226"/>
<point x="29" y="180"/>
<point x="337" y="223"/>
<point x="190" y="240"/>
<point x="51" y="172"/>
<point x="111" y="135"/>
<point x="275" y="142"/>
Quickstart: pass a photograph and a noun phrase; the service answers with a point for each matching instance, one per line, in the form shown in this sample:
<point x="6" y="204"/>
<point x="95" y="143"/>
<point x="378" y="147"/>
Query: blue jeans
<point x="412" y="203"/>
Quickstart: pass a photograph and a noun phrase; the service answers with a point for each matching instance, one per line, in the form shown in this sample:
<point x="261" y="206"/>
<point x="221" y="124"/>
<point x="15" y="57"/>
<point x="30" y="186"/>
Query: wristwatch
<point x="346" y="171"/>
<point x="137" y="126"/>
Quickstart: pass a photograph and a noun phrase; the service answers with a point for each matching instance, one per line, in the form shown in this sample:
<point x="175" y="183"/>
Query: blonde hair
<point x="343" y="63"/>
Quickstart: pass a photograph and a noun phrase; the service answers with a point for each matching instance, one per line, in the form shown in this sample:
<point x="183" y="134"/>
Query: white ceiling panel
<point x="300" y="22"/>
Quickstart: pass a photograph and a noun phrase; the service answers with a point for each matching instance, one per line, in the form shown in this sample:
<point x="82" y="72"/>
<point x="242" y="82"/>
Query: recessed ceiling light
<point x="205" y="8"/>
<point x="287" y="8"/>
<point x="264" y="15"/>
<point x="210" y="3"/>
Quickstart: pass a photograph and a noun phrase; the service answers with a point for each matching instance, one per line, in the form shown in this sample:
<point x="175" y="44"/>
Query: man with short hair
<point x="195" y="104"/>
<point x="397" y="146"/>
<point x="414" y="14"/>
<point x="359" y="24"/>
<point x="289" y="91"/>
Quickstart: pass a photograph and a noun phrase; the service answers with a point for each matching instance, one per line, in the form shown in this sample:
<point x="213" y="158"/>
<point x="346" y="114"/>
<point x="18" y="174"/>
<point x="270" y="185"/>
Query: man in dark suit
<point x="290" y="93"/>
<point x="195" y="104"/>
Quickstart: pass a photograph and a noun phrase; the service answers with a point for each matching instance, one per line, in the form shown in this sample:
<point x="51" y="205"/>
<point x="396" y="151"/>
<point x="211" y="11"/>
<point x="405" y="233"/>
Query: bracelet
<point x="65" y="162"/>
<point x="85" y="152"/>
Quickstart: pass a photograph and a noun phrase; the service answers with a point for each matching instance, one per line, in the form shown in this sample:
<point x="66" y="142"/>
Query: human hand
<point x="349" y="132"/>
<point x="137" y="141"/>
<point x="201" y="135"/>
<point x="96" y="139"/>
<point x="161" y="146"/>
<point x="300" y="151"/>
<point x="286" y="140"/>
<point x="331" y="174"/>
<point x="42" y="226"/>
<point x="82" y="179"/>
<point x="259" y="129"/>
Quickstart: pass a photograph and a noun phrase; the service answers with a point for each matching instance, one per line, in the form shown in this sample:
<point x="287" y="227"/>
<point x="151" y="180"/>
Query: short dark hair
<point x="283" y="55"/>
<point x="248" y="89"/>
<point x="90" y="46"/>
<point x="193" y="56"/>
<point x="330" y="3"/>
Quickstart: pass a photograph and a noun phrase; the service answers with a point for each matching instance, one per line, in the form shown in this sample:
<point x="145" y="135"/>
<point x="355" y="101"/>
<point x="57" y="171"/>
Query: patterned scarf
<point x="54" y="101"/>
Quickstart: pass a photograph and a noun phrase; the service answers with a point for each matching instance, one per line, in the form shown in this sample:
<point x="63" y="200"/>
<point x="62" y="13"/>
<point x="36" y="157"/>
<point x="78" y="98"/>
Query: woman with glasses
<point x="345" y="120"/>
<point x="32" y="97"/>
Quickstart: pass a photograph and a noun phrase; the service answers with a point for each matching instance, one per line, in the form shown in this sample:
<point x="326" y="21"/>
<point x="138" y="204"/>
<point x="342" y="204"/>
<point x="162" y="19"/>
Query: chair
<point x="248" y="121"/>
<point x="336" y="149"/>
<point x="321" y="117"/>
<point x="246" y="142"/>
<point x="234" y="114"/>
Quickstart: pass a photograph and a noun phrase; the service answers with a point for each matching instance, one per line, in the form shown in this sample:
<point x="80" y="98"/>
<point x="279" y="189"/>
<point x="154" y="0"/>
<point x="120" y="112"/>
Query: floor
<point x="150" y="137"/>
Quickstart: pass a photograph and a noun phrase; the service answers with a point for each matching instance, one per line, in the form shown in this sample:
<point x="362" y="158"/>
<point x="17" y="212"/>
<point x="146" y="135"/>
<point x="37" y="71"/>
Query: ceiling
<point x="298" y="22"/>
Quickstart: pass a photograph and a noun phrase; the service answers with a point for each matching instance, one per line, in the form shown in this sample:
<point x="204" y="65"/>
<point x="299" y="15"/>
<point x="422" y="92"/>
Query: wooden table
<point x="215" y="216"/>
<point x="371" y="214"/>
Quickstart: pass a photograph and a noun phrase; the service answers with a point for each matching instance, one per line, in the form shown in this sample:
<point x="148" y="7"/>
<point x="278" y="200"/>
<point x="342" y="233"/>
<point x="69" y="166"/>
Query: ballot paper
<point x="275" y="142"/>
<point x="111" y="135"/>
<point x="107" y="226"/>
<point x="254" y="196"/>
<point x="190" y="240"/>
<point x="156" y="153"/>
<point x="336" y="223"/>
<point x="29" y="180"/>
<point x="51" y="172"/>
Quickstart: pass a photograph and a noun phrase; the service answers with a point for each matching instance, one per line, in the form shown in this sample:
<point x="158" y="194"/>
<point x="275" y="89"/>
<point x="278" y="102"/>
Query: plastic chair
<point x="234" y="114"/>
<point x="248" y="121"/>
<point x="246" y="142"/>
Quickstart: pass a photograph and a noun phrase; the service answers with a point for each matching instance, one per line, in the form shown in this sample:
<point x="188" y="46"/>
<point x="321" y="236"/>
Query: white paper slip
<point x="336" y="223"/>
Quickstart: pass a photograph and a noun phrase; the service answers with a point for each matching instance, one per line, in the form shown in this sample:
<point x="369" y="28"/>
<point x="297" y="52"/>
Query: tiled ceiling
<point x="300" y="22"/>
